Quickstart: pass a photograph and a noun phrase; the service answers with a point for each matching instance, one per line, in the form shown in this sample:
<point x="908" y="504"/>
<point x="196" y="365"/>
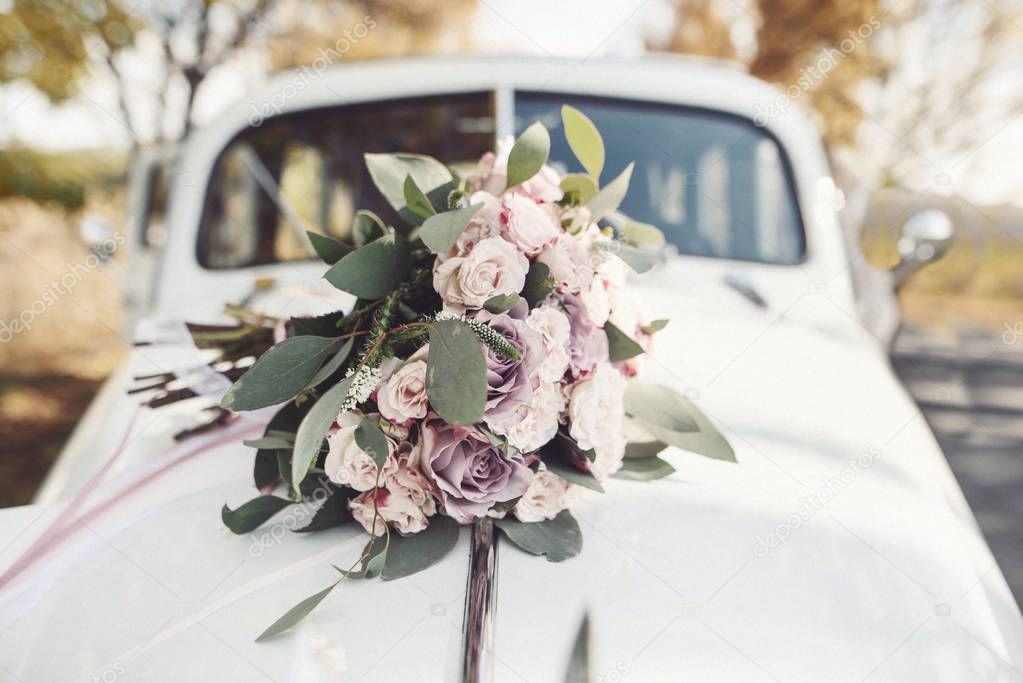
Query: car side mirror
<point x="924" y="238"/>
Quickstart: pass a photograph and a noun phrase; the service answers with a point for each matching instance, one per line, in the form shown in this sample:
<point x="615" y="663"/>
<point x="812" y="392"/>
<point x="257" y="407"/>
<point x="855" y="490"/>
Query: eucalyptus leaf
<point x="558" y="539"/>
<point x="642" y="235"/>
<point x="314" y="428"/>
<point x="560" y="455"/>
<point x="408" y="555"/>
<point x="366" y="227"/>
<point x="325" y="325"/>
<point x="280" y="373"/>
<point x="640" y="260"/>
<point x="644" y="449"/>
<point x="501" y="303"/>
<point x="644" y="469"/>
<point x="332" y="365"/>
<point x="327" y="248"/>
<point x="416" y="200"/>
<point x="582" y="186"/>
<point x="440" y="231"/>
<point x="456" y="373"/>
<point x="252" y="514"/>
<point x="264" y="468"/>
<point x="611" y="195"/>
<point x="372" y="271"/>
<point x="295" y="614"/>
<point x="655" y="327"/>
<point x="673" y="419"/>
<point x="584" y="139"/>
<point x="332" y="512"/>
<point x="371" y="439"/>
<point x="269" y="442"/>
<point x="538" y="284"/>
<point x="620" y="345"/>
<point x="528" y="154"/>
<point x="389" y="171"/>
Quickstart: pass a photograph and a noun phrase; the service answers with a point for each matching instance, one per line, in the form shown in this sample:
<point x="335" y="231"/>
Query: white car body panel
<point x="891" y="581"/>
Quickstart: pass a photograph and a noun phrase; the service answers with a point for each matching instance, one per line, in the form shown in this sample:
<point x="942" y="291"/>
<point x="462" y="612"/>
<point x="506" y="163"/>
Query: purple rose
<point x="587" y="343"/>
<point x="511" y="383"/>
<point x="470" y="472"/>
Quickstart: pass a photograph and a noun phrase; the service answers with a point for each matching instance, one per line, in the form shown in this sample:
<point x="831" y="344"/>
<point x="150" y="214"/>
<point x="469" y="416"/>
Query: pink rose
<point x="555" y="330"/>
<point x="402" y="398"/>
<point x="569" y="264"/>
<point x="346" y="463"/>
<point x="596" y="408"/>
<point x="405" y="480"/>
<point x="528" y="225"/>
<point x="539" y="423"/>
<point x="544" y="498"/>
<point x="492" y="176"/>
<point x="398" y="510"/>
<point x="486" y="223"/>
<point x="493" y="267"/>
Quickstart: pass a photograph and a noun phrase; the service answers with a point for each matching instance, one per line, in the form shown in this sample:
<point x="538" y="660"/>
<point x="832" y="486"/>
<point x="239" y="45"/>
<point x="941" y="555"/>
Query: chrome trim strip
<point x="480" y="594"/>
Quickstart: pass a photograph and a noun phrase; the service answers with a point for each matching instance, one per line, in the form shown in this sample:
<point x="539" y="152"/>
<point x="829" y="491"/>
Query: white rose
<point x="608" y="458"/>
<point x="596" y="407"/>
<point x="528" y="225"/>
<point x="486" y="223"/>
<point x="569" y="263"/>
<point x="576" y="219"/>
<point x="544" y="498"/>
<point x="400" y="511"/>
<point x="346" y="463"/>
<point x="409" y="482"/>
<point x="596" y="301"/>
<point x="540" y="422"/>
<point x="493" y="267"/>
<point x="555" y="329"/>
<point x="402" y="398"/>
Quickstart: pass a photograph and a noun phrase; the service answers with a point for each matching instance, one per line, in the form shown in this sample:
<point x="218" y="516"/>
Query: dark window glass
<point x="305" y="171"/>
<point x="717" y="185"/>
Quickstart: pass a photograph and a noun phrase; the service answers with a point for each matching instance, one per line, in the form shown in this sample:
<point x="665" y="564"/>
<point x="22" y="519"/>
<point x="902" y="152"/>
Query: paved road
<point x="971" y="391"/>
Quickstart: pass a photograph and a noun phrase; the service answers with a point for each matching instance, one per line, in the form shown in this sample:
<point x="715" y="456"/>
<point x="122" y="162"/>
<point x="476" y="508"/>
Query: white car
<point x="839" y="548"/>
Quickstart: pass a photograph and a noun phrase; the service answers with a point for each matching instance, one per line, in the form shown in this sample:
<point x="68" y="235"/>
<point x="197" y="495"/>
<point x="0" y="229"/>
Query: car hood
<point x="839" y="547"/>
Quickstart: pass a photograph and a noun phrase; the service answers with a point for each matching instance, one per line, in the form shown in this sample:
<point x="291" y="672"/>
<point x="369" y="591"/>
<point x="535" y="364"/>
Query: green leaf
<point x="313" y="428"/>
<point x="620" y="345"/>
<point x="639" y="234"/>
<point x="408" y="555"/>
<point x="280" y="373"/>
<point x="456" y="373"/>
<point x="558" y="538"/>
<point x="416" y="201"/>
<point x="640" y="260"/>
<point x="366" y="227"/>
<point x="584" y="139"/>
<point x="501" y="303"/>
<point x="372" y="271"/>
<point x="656" y="326"/>
<point x="644" y="449"/>
<point x="644" y="469"/>
<point x="325" y="325"/>
<point x="332" y="365"/>
<point x="295" y="614"/>
<point x="668" y="416"/>
<point x="560" y="455"/>
<point x="440" y="231"/>
<point x="327" y="248"/>
<point x="538" y="284"/>
<point x="371" y="440"/>
<point x="269" y="442"/>
<point x="528" y="154"/>
<point x="264" y="468"/>
<point x="252" y="514"/>
<point x="333" y="512"/>
<point x="582" y="186"/>
<point x="611" y="195"/>
<point x="389" y="171"/>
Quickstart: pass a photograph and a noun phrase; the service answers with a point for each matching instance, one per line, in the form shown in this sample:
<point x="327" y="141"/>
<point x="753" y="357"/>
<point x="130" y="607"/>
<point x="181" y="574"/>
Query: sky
<point x="567" y="28"/>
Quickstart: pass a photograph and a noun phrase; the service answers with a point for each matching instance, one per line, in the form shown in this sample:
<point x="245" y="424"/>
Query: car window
<point x="305" y="171"/>
<point x="716" y="185"/>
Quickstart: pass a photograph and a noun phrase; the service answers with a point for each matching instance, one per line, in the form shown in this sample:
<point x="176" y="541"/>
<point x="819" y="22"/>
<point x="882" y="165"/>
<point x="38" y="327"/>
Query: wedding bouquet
<point x="483" y="371"/>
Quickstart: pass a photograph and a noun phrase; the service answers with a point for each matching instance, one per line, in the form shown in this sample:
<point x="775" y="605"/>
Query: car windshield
<point x="305" y="171"/>
<point x="715" y="184"/>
